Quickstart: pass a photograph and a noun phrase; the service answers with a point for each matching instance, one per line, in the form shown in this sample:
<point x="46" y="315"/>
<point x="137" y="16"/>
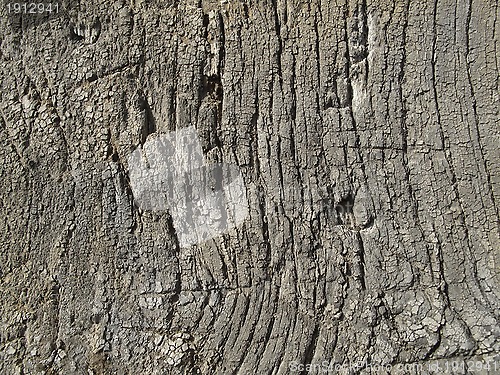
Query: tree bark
<point x="366" y="133"/>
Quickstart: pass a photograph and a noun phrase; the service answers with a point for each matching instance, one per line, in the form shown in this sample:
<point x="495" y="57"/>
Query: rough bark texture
<point x="366" y="131"/>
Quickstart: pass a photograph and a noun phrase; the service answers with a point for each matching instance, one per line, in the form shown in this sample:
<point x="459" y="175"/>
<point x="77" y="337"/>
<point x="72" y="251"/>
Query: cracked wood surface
<point x="367" y="134"/>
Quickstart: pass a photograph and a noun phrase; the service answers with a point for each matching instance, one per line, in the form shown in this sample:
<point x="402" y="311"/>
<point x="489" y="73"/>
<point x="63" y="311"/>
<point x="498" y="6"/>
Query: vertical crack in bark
<point x="149" y="125"/>
<point x="474" y="108"/>
<point x="279" y="52"/>
<point x="311" y="348"/>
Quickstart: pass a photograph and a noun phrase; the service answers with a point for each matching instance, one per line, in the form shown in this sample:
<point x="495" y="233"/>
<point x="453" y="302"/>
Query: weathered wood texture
<point x="367" y="133"/>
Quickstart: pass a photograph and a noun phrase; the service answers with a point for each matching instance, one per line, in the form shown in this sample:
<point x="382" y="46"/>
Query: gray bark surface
<point x="366" y="132"/>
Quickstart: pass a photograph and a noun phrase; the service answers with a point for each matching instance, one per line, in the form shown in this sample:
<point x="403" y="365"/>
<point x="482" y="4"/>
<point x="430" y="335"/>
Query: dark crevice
<point x="211" y="90"/>
<point x="359" y="34"/>
<point x="206" y="21"/>
<point x="85" y="31"/>
<point x="74" y="36"/>
<point x="265" y="226"/>
<point x="309" y="354"/>
<point x="222" y="52"/>
<point x="92" y="78"/>
<point x="245" y="10"/>
<point x="361" y="260"/>
<point x="149" y="126"/>
<point x="279" y="51"/>
<point x="211" y="85"/>
<point x="344" y="211"/>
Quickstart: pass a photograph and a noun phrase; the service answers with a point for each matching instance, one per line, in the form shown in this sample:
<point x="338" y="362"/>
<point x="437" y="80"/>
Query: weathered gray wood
<point x="367" y="134"/>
